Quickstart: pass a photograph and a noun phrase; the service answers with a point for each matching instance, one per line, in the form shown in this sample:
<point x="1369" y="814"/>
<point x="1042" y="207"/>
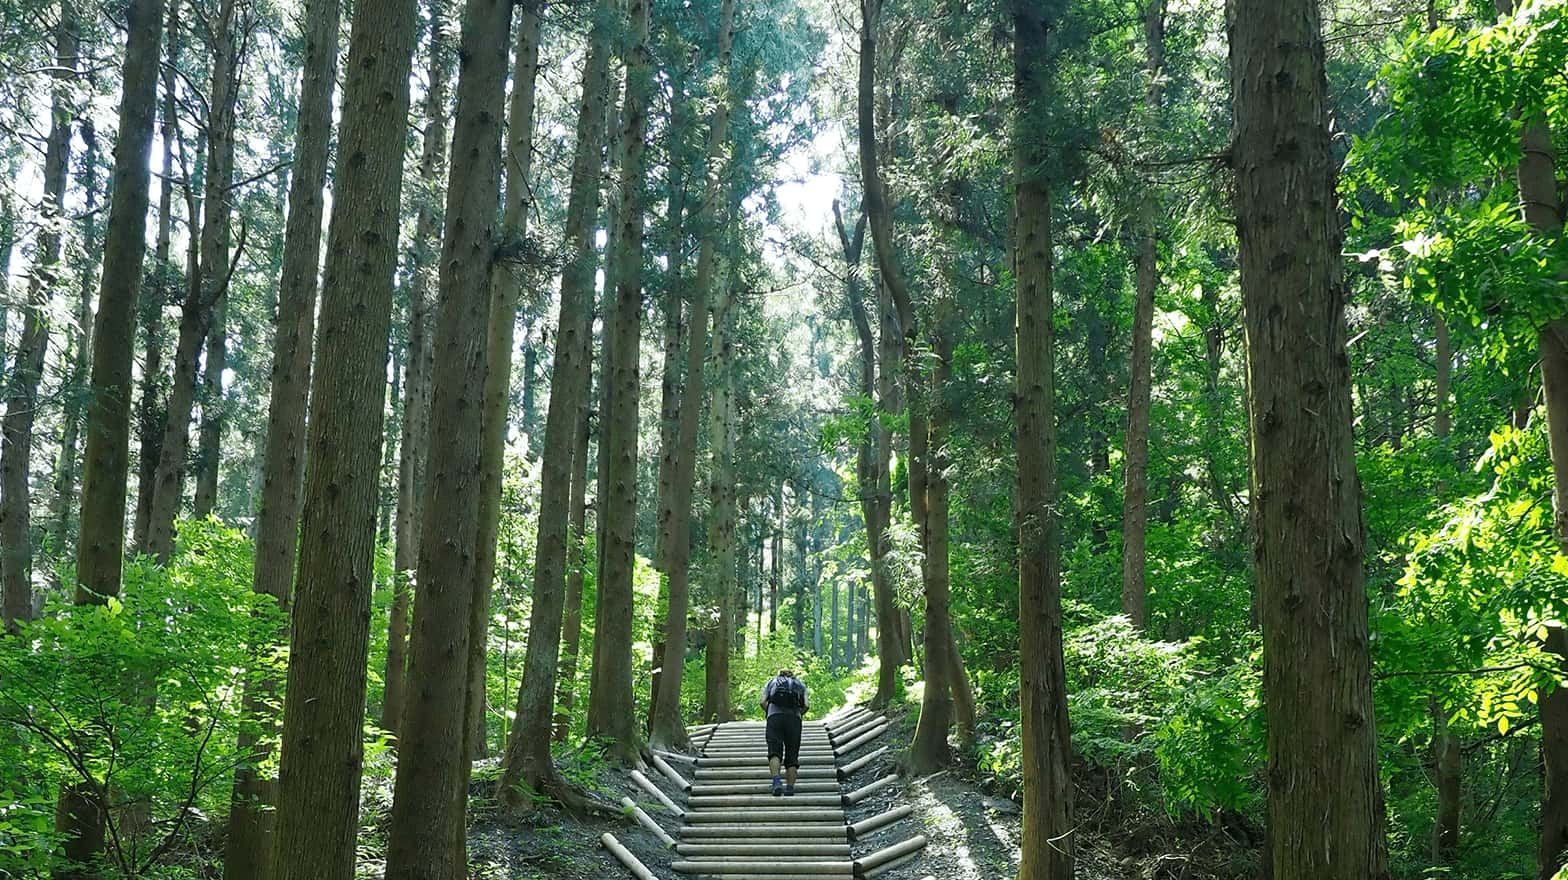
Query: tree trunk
<point x="505" y="291"/>
<point x="608" y="715"/>
<point x="208" y="456"/>
<point x="1537" y="179"/>
<point x="1135" y="494"/>
<point x="324" y="708"/>
<point x="722" y="513"/>
<point x="417" y="368"/>
<point x="669" y="728"/>
<point x="1047" y="831"/>
<point x="929" y="751"/>
<point x="64" y="509"/>
<point x="527" y="767"/>
<point x="572" y="620"/>
<point x="1325" y="818"/>
<point x="670" y="373"/>
<point x="427" y="836"/>
<point x="21" y="399"/>
<point x="252" y="810"/>
<point x="1442" y="419"/>
<point x="202" y="305"/>
<point x="775" y="560"/>
<point x="1446" y="758"/>
<point x="150" y="412"/>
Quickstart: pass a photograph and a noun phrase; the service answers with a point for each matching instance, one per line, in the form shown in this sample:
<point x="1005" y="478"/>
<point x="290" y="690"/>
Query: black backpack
<point x="788" y="693"/>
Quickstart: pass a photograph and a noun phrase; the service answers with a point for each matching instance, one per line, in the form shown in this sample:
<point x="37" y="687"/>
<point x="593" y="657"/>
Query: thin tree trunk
<point x="620" y="394"/>
<point x="21" y="399"/>
<point x="527" y="767"/>
<point x="252" y="809"/>
<point x="775" y="560"/>
<point x="1325" y="817"/>
<point x="669" y="728"/>
<point x="427" y="836"/>
<point x="99" y="551"/>
<point x="208" y="456"/>
<point x="417" y="367"/>
<point x="505" y="292"/>
<point x="670" y="374"/>
<point x="150" y="413"/>
<point x="1442" y="419"/>
<point x="572" y="620"/>
<point x="64" y="509"/>
<point x="1047" y="831"/>
<point x="1446" y="758"/>
<point x="929" y="750"/>
<point x="1135" y="494"/>
<point x="318" y="795"/>
<point x="1537" y="179"/>
<point x="722" y="513"/>
<point x="201" y="306"/>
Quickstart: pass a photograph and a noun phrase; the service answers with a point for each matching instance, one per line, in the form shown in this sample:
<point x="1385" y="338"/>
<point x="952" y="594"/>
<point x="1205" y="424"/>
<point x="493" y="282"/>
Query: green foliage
<point x="138" y="699"/>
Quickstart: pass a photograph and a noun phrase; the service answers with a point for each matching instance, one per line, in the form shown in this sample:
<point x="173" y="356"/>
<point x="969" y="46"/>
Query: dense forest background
<point x="451" y="378"/>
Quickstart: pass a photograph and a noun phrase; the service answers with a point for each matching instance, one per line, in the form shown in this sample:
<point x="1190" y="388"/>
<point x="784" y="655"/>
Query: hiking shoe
<point x="789" y="791"/>
<point x="778" y="790"/>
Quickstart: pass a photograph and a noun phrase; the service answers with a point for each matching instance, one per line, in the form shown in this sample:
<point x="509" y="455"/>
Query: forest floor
<point x="973" y="834"/>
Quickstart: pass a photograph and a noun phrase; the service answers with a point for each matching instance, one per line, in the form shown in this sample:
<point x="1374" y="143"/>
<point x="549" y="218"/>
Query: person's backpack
<point x="788" y="693"/>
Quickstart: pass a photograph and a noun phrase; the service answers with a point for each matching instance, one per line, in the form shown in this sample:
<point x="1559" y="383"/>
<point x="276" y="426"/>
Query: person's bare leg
<point x="773" y="765"/>
<point x="790" y="774"/>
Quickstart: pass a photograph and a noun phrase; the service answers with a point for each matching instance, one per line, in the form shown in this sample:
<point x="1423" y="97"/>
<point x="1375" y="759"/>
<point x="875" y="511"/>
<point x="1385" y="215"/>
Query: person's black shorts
<point x="784" y="738"/>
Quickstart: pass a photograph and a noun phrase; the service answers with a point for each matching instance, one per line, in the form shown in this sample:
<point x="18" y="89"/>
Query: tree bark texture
<point x="318" y="794"/>
<point x="1325" y="817"/>
<point x="427" y="837"/>
<point x="527" y="766"/>
<point x="63" y="509"/>
<point x="669" y="728"/>
<point x="252" y="809"/>
<point x="506" y="288"/>
<point x="929" y="751"/>
<point x="608" y="714"/>
<point x="572" y="619"/>
<point x="417" y="367"/>
<point x="1047" y="831"/>
<point x="720" y="571"/>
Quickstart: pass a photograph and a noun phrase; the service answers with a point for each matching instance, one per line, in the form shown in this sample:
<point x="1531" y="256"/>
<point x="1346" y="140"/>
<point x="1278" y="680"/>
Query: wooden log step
<point x="759" y="770"/>
<point x="849" y="733"/>
<point x="850" y="768"/>
<point x="794" y="830"/>
<point x="647" y="822"/>
<point x="624" y="856"/>
<point x="880" y="820"/>
<point x="763" y="850"/>
<point x="760" y="788"/>
<point x="861" y="794"/>
<point x="746" y="761"/>
<point x="888" y="854"/>
<point x="780" y="814"/>
<point x="764" y="800"/>
<point x="750" y="869"/>
<point x="864" y="738"/>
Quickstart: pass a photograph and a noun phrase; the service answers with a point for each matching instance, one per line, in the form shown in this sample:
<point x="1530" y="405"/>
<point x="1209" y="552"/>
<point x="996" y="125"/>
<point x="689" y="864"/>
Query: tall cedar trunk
<point x="608" y="714"/>
<point x="1537" y="177"/>
<point x="208" y="456"/>
<point x="415" y="434"/>
<point x="776" y="561"/>
<point x="1325" y="818"/>
<point x="318" y="795"/>
<point x="99" y="551"/>
<point x="150" y="411"/>
<point x="63" y="510"/>
<point x="929" y="751"/>
<point x="201" y="305"/>
<point x="505" y="291"/>
<point x="572" y="618"/>
<point x="252" y="810"/>
<point x="670" y="371"/>
<point x="871" y="464"/>
<point x="527" y="766"/>
<point x="1135" y="493"/>
<point x="8" y="241"/>
<point x="722" y="505"/>
<point x="1442" y="418"/>
<point x="889" y="401"/>
<point x="669" y="728"/>
<point x="1047" y="831"/>
<point x="427" y="837"/>
<point x="21" y="399"/>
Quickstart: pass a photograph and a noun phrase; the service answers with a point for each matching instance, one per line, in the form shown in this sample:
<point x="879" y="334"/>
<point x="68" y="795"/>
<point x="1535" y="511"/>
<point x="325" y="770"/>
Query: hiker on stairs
<point x="784" y="700"/>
